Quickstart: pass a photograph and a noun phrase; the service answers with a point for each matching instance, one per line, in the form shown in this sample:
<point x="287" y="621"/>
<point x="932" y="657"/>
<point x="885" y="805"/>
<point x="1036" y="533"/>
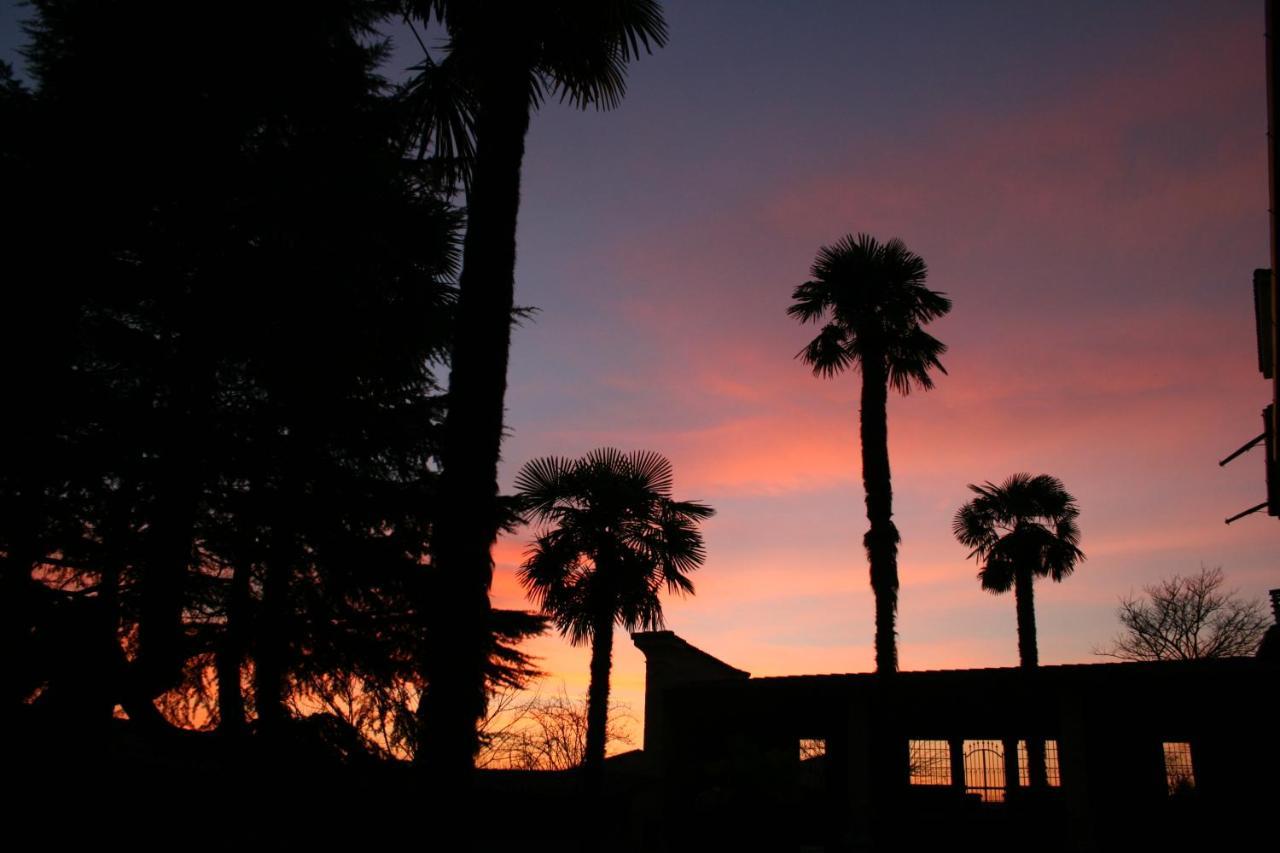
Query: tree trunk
<point x="596" y="828"/>
<point x="881" y="540"/>
<point x="272" y="647"/>
<point x="16" y="613"/>
<point x="1037" y="774"/>
<point x="107" y="652"/>
<point x="598" y="700"/>
<point x="171" y="540"/>
<point x="230" y="655"/>
<point x="161" y="640"/>
<point x="457" y="610"/>
<point x="1029" y="659"/>
<point x="1024" y="598"/>
<point x="886" y="759"/>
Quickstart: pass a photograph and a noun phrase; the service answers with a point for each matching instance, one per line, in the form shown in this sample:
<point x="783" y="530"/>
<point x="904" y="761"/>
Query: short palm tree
<point x="1022" y="529"/>
<point x="872" y="299"/>
<point x="614" y="540"/>
<point x="1019" y="530"/>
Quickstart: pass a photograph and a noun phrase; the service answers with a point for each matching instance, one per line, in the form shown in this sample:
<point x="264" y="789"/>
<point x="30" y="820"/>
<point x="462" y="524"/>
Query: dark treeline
<point x="229" y="266"/>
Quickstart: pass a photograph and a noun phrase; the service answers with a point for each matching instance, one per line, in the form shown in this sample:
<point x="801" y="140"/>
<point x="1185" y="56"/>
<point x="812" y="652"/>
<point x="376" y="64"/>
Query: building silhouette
<point x="1153" y="755"/>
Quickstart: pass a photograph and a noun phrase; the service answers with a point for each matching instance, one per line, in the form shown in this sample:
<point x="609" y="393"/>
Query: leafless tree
<point x="1184" y="618"/>
<point x="544" y="732"/>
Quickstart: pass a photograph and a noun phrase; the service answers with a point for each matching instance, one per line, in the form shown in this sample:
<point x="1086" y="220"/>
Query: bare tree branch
<point x="1186" y="618"/>
<point x="544" y="732"/>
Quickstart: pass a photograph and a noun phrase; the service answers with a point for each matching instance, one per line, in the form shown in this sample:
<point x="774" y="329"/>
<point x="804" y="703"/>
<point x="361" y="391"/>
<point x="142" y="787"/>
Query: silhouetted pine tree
<point x="230" y="417"/>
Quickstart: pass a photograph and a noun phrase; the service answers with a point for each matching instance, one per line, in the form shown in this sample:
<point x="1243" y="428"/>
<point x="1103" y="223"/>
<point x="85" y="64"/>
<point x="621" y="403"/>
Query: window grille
<point x="930" y="762"/>
<point x="1051" y="767"/>
<point x="1178" y="771"/>
<point x="812" y="747"/>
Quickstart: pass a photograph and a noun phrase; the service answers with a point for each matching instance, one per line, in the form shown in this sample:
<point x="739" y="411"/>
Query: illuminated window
<point x="1178" y="772"/>
<point x="984" y="769"/>
<point x="812" y="747"/>
<point x="1051" y="772"/>
<point x="930" y="762"/>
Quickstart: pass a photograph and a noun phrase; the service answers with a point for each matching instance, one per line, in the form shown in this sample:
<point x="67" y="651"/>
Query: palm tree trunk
<point x="457" y="611"/>
<point x="596" y="828"/>
<point x="1024" y="598"/>
<point x="598" y="700"/>
<point x="1029" y="658"/>
<point x="1037" y="774"/>
<point x="881" y="540"/>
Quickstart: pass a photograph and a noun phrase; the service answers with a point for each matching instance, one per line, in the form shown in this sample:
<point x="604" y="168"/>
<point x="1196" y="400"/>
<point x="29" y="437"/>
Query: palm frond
<point x="974" y="526"/>
<point x="606" y="461"/>
<point x="1062" y="556"/>
<point x="652" y="470"/>
<point x="849" y="259"/>
<point x="675" y="544"/>
<point x="812" y="300"/>
<point x="540" y="483"/>
<point x="551" y="563"/>
<point x="910" y="359"/>
<point x="997" y="576"/>
<point x="874" y="298"/>
<point x="641" y="24"/>
<point x="1027" y="522"/>
<point x="442" y="106"/>
<point x="828" y="353"/>
<point x="616" y="540"/>
<point x="588" y="43"/>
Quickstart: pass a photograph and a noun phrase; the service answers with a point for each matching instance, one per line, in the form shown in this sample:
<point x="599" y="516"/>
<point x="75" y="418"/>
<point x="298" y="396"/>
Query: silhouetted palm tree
<point x="1019" y="530"/>
<point x="873" y="301"/>
<point x="616" y="539"/>
<point x="511" y="56"/>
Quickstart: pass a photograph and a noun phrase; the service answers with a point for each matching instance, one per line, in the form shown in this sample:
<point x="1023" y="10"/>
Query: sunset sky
<point x="1086" y="181"/>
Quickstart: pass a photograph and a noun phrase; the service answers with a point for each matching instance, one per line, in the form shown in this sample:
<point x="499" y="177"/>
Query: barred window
<point x="1179" y="774"/>
<point x="1052" y="773"/>
<point x="930" y="762"/>
<point x="812" y="747"/>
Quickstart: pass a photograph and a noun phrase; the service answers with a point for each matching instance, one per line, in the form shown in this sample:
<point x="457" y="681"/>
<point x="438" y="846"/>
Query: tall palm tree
<point x="1022" y="529"/>
<point x="615" y="539"/>
<point x="872" y="299"/>
<point x="511" y="56"/>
